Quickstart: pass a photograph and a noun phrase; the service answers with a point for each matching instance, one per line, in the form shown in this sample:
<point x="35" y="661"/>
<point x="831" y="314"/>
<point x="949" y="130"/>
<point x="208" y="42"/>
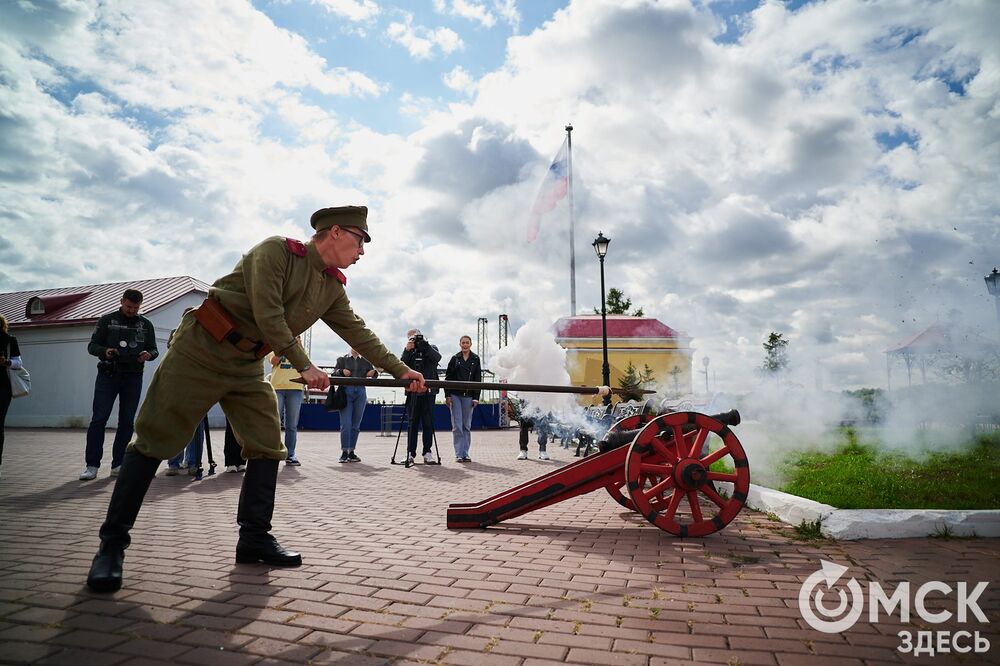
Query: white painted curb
<point x="871" y="523"/>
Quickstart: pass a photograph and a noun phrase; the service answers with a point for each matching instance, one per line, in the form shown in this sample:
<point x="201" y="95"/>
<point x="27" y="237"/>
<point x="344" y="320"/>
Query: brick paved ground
<point x="384" y="581"/>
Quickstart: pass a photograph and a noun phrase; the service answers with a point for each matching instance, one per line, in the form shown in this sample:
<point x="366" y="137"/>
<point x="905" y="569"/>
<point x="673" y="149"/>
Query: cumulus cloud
<point x="459" y="80"/>
<point x="827" y="171"/>
<point x="421" y="41"/>
<point x="355" y="10"/>
<point x="486" y="14"/>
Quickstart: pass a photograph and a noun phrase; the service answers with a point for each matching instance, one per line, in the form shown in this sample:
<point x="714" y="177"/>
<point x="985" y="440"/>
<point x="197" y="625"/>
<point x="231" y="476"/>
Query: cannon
<point x="659" y="466"/>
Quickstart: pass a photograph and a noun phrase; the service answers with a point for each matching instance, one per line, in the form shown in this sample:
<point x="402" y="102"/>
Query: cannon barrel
<point x="613" y="439"/>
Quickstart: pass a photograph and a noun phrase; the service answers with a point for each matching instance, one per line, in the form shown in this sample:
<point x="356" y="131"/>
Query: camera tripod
<point x="410" y="405"/>
<point x="211" y="460"/>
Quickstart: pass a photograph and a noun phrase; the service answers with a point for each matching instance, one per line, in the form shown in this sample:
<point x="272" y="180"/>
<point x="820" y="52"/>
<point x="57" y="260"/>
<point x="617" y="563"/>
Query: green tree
<point x="618" y="304"/>
<point x="635" y="380"/>
<point x="775" y="355"/>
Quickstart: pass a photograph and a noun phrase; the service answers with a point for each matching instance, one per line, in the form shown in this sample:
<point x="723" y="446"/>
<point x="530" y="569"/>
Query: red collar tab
<point x="335" y="272"/>
<point x="296" y="247"/>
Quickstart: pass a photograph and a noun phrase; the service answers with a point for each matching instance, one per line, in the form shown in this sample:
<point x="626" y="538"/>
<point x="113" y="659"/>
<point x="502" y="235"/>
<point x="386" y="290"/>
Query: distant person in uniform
<point x="276" y="291"/>
<point x="290" y="396"/>
<point x="123" y="341"/>
<point x="464" y="367"/>
<point x="352" y="365"/>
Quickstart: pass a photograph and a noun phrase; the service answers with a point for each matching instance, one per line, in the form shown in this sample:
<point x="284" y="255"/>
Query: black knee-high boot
<point x="130" y="489"/>
<point x="254" y="516"/>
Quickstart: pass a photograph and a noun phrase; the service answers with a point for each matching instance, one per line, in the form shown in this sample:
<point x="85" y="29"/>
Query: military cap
<point x="341" y="216"/>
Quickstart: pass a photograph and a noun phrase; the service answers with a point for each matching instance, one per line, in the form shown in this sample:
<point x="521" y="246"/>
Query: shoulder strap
<point x="295" y="247"/>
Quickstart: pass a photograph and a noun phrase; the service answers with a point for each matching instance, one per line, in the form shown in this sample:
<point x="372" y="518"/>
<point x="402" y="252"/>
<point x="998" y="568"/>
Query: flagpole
<point x="572" y="224"/>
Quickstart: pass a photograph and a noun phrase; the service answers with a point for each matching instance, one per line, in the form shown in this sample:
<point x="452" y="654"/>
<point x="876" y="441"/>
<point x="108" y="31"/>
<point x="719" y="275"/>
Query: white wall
<point x="63" y="373"/>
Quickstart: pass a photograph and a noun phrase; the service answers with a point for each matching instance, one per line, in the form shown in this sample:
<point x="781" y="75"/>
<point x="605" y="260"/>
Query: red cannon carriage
<point x="666" y="473"/>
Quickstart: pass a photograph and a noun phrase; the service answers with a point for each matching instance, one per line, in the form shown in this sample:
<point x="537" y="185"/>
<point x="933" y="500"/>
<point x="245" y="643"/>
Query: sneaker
<point x="241" y="468"/>
<point x="466" y="459"/>
<point x="192" y="470"/>
<point x="173" y="471"/>
<point x="293" y="461"/>
<point x="429" y="459"/>
<point x="543" y="455"/>
<point x="344" y="458"/>
<point x="88" y="474"/>
<point x="353" y="458"/>
<point x="116" y="470"/>
<point x="523" y="455"/>
<point x="229" y="468"/>
<point x="409" y="460"/>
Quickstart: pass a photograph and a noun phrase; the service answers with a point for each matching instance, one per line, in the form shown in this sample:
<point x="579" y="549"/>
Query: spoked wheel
<point x="667" y="475"/>
<point x="617" y="490"/>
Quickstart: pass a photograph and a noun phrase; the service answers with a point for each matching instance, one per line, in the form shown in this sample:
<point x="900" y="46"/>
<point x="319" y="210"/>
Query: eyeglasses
<point x="360" y="237"/>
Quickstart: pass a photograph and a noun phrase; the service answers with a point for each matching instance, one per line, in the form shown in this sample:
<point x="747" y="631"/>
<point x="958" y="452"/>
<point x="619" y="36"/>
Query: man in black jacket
<point x="123" y="341"/>
<point x="423" y="357"/>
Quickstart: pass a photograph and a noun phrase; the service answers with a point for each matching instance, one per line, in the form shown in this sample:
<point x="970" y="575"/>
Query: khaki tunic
<point x="273" y="295"/>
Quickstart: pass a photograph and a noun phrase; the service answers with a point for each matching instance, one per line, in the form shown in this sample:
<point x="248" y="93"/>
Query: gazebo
<point x="940" y="342"/>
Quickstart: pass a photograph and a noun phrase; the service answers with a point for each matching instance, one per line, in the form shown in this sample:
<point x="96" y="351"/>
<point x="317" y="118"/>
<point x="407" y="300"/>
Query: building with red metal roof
<point x="641" y="341"/>
<point x="53" y="327"/>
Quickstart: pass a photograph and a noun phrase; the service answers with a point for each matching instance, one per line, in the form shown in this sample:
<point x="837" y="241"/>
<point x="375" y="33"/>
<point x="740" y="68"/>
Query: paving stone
<point x="383" y="579"/>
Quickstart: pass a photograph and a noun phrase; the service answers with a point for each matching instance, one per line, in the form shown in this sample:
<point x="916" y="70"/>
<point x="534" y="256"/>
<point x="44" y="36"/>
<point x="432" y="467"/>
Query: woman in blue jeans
<point x="352" y="365"/>
<point x="464" y="367"/>
<point x="290" y="396"/>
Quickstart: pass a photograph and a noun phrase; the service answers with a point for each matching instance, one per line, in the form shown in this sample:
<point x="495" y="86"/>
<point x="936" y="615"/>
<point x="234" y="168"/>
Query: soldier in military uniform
<point x="276" y="291"/>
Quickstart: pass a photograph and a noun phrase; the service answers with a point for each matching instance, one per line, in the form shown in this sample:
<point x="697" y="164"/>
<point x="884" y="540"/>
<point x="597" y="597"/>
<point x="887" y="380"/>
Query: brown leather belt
<point x="220" y="325"/>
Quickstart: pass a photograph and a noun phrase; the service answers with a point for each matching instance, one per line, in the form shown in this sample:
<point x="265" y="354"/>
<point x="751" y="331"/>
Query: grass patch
<point x="809" y="530"/>
<point x="859" y="475"/>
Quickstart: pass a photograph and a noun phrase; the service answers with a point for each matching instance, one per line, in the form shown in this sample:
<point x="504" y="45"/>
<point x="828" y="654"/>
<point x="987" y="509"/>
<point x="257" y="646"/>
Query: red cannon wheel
<point x="617" y="490"/>
<point x="666" y="482"/>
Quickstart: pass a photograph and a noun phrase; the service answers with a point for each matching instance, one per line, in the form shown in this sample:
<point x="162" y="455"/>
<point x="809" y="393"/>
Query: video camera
<point x="127" y="351"/>
<point x="417" y="339"/>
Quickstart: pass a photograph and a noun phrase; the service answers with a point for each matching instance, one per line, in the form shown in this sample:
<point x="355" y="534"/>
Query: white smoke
<point x="534" y="357"/>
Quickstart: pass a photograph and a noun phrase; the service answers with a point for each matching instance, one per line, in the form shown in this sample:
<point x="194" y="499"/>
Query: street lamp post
<point x="704" y="362"/>
<point x="993" y="286"/>
<point x="601" y="248"/>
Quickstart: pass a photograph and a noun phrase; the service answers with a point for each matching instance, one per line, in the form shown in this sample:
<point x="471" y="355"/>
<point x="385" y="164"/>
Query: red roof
<point x="619" y="326"/>
<point x="84" y="305"/>
<point x="941" y="338"/>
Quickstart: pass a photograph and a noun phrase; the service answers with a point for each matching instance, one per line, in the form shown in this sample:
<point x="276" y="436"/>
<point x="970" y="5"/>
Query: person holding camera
<point x="465" y="367"/>
<point x="352" y="365"/>
<point x="423" y="357"/>
<point x="277" y="290"/>
<point x="123" y="341"/>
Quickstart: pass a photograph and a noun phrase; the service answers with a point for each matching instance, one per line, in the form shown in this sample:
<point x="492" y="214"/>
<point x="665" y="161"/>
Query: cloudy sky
<point x="828" y="170"/>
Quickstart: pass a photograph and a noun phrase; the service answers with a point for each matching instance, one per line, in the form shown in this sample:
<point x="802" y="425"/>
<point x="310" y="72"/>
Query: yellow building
<point x="639" y="340"/>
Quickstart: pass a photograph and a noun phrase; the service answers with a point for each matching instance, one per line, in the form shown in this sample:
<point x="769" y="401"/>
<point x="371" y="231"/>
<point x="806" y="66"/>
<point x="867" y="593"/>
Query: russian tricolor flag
<point x="552" y="191"/>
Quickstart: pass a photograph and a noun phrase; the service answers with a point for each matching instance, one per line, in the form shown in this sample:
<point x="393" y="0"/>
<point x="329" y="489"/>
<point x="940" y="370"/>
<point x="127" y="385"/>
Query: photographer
<point x="122" y="341"/>
<point x="424" y="358"/>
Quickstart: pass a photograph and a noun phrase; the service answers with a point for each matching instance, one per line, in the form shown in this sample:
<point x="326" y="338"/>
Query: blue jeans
<point x="461" y="425"/>
<point x="350" y="417"/>
<point x="193" y="449"/>
<point x="289" y="404"/>
<point x="110" y="386"/>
